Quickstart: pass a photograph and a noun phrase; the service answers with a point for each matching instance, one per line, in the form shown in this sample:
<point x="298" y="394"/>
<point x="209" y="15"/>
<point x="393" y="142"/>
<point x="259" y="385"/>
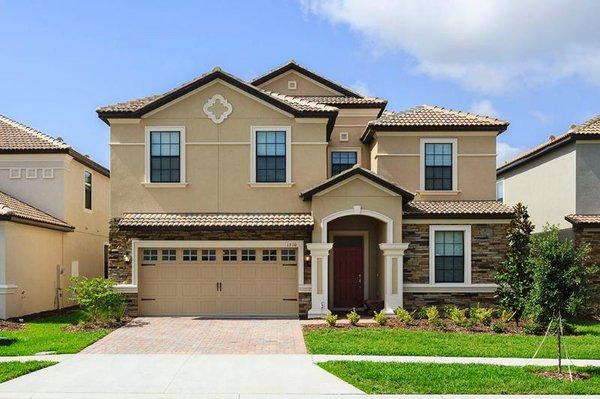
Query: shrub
<point x="422" y="313"/>
<point x="458" y="316"/>
<point x="97" y="298"/>
<point x="498" y="327"/>
<point x="380" y="317"/>
<point x="506" y="316"/>
<point x="482" y="316"/>
<point x="532" y="327"/>
<point x="433" y="315"/>
<point x="403" y="315"/>
<point x="331" y="319"/>
<point x="353" y="317"/>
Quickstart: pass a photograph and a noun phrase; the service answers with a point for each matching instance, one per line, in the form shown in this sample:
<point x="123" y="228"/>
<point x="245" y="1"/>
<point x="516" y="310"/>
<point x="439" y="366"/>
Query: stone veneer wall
<point x="119" y="268"/>
<point x="488" y="248"/>
<point x="592" y="237"/>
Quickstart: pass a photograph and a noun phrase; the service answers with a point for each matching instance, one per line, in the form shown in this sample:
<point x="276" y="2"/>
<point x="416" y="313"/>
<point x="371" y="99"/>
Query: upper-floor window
<point x="500" y="191"/>
<point x="438" y="166"/>
<point x="165" y="157"/>
<point x="87" y="183"/>
<point x="270" y="156"/>
<point x="342" y="160"/>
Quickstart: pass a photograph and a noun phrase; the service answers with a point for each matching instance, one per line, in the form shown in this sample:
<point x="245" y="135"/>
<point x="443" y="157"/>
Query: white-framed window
<point x="269" y="255"/>
<point x="229" y="255"/>
<point x="15" y="173"/>
<point x="500" y="191"/>
<point x="31" y="173"/>
<point x="150" y="255"/>
<point x="342" y="158"/>
<point x="87" y="189"/>
<point x="450" y="254"/>
<point x="190" y="255"/>
<point x="248" y="255"/>
<point x="271" y="154"/>
<point x="168" y="255"/>
<point x="292" y="85"/>
<point x="288" y="255"/>
<point x="439" y="161"/>
<point x="165" y="154"/>
<point x="209" y="255"/>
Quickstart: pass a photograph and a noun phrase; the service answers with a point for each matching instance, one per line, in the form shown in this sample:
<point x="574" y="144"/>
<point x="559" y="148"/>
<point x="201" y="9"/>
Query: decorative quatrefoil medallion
<point x="217" y="108"/>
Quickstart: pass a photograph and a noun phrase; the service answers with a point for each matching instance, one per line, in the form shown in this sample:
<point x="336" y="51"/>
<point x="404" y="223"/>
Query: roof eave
<point x="31" y="222"/>
<point x="504" y="216"/>
<point x="371" y="129"/>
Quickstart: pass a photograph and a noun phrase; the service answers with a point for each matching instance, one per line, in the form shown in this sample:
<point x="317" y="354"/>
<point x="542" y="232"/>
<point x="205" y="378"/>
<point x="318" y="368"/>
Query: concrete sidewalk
<point x="275" y="396"/>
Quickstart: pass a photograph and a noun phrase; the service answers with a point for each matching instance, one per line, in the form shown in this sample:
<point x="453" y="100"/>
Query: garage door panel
<point x="289" y="272"/>
<point x="189" y="272"/>
<point x="231" y="272"/>
<point x="249" y="289"/>
<point x="150" y="273"/>
<point x="169" y="273"/>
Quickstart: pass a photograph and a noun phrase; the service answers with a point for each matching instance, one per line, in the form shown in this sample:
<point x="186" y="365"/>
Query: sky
<point x="534" y="63"/>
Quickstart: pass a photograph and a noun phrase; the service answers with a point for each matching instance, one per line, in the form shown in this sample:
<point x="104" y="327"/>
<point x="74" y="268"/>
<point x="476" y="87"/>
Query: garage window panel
<point x="229" y="255"/>
<point x="150" y="254"/>
<point x="209" y="255"/>
<point x="169" y="255"/>
<point x="288" y="255"/>
<point x="248" y="255"/>
<point x="190" y="255"/>
<point x="269" y="255"/>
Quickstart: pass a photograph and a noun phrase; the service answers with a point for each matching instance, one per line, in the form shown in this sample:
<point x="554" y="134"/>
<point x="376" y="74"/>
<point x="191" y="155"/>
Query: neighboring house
<point x="559" y="181"/>
<point x="53" y="219"/>
<point x="293" y="195"/>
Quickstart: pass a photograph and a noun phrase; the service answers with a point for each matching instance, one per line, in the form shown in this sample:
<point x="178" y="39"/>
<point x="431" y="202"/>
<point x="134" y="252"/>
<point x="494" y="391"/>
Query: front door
<point x="347" y="272"/>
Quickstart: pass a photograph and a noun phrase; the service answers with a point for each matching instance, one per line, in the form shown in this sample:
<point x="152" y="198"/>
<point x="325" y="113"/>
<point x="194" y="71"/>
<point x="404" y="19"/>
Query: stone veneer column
<point x="319" y="256"/>
<point x="393" y="281"/>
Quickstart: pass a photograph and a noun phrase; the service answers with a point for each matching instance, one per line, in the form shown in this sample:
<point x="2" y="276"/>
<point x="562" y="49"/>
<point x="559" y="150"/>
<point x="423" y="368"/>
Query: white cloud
<point x="491" y="46"/>
<point x="484" y="107"/>
<point x="541" y="117"/>
<point x="361" y="88"/>
<point x="506" y="152"/>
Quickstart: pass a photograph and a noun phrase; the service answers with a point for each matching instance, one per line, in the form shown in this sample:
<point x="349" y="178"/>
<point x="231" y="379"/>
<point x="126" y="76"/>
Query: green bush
<point x="482" y="316"/>
<point x="458" y="316"/>
<point x="532" y="327"/>
<point x="433" y="315"/>
<point x="380" y="317"/>
<point x="97" y="298"/>
<point x="331" y="319"/>
<point x="403" y="315"/>
<point x="498" y="327"/>
<point x="506" y="316"/>
<point x="353" y="317"/>
<point x="422" y="313"/>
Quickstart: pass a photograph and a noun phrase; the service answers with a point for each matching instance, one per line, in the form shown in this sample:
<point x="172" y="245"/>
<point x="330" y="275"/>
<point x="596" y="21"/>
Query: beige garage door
<point x="219" y="281"/>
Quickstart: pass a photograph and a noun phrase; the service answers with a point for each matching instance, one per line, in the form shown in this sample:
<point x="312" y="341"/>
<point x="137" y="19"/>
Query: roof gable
<point x="349" y="175"/>
<point x="293" y="66"/>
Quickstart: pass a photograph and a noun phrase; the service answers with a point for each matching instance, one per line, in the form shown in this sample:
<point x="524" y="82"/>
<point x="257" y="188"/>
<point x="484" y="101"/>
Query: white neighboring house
<point x="54" y="206"/>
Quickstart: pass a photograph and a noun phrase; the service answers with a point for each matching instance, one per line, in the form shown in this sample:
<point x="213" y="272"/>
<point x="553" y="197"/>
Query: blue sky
<point x="63" y="59"/>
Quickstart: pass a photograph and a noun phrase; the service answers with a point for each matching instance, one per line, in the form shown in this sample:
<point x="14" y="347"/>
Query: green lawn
<point x="10" y="370"/>
<point x="429" y="378"/>
<point x="47" y="334"/>
<point x="387" y="341"/>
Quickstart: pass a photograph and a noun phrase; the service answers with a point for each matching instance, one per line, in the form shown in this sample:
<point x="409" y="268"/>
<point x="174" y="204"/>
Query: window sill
<point x="438" y="192"/>
<point x="449" y="287"/>
<point x="271" y="185"/>
<point x="164" y="185"/>
<point x="126" y="288"/>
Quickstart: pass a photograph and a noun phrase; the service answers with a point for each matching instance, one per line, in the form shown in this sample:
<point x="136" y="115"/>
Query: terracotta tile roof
<point x="14" y="209"/>
<point x="457" y="208"/>
<point x="16" y="136"/>
<point x="217" y="220"/>
<point x="353" y="171"/>
<point x="580" y="219"/>
<point x="139" y="104"/>
<point x="341" y="101"/>
<point x="588" y="129"/>
<point x="293" y="65"/>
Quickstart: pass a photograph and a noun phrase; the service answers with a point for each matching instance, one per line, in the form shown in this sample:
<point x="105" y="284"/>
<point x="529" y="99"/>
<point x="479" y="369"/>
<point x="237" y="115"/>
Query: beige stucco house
<point x="54" y="209"/>
<point x="293" y="195"/>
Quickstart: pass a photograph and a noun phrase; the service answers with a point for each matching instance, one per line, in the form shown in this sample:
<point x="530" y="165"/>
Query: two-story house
<point x="559" y="181"/>
<point x="53" y="219"/>
<point x="293" y="195"/>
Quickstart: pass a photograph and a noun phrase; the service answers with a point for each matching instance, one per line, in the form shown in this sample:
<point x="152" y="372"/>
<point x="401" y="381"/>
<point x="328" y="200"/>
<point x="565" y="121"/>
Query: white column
<point x="393" y="280"/>
<point x="319" y="255"/>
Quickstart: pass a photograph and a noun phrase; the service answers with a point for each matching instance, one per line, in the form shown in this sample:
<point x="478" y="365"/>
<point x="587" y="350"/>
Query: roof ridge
<point x="35" y="132"/>
<point x="464" y="113"/>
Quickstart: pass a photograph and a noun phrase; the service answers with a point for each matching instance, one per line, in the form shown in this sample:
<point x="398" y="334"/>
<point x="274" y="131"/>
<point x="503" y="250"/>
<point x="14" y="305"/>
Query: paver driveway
<point x="191" y="335"/>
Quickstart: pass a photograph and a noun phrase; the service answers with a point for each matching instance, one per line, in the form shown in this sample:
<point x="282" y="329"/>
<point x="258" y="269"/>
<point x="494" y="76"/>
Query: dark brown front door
<point x="347" y="272"/>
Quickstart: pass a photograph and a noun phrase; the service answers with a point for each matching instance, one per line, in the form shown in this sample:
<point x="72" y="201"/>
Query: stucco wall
<point x="305" y="86"/>
<point x="588" y="177"/>
<point x="398" y="158"/>
<point x="547" y="186"/>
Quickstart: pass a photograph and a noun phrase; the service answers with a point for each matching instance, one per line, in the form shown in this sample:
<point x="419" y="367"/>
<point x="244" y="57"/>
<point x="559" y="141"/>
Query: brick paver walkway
<point x="190" y="335"/>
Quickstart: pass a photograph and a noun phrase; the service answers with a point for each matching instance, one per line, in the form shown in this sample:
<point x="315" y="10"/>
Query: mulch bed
<point x="7" y="325"/>
<point x="98" y="326"/>
<point x="564" y="376"/>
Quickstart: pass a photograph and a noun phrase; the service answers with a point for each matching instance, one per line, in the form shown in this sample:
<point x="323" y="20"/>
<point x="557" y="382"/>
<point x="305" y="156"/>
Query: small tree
<point x="561" y="276"/>
<point x="514" y="276"/>
<point x="98" y="299"/>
